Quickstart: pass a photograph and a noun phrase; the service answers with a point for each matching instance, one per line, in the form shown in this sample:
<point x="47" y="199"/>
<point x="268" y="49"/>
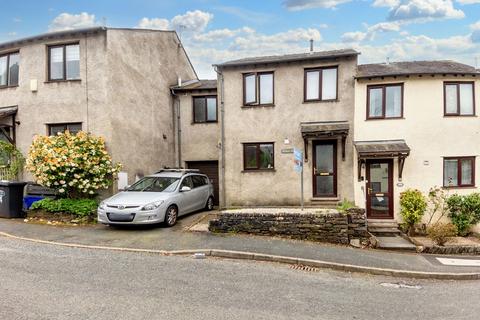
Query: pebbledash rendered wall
<point x="279" y="122"/>
<point x="123" y="93"/>
<point x="314" y="225"/>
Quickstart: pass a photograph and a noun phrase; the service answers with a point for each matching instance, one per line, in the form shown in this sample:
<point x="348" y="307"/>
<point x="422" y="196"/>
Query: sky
<point x="214" y="31"/>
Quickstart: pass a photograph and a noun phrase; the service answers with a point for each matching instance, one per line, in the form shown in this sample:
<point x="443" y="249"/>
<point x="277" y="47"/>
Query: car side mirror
<point x="185" y="188"/>
<point x="125" y="188"/>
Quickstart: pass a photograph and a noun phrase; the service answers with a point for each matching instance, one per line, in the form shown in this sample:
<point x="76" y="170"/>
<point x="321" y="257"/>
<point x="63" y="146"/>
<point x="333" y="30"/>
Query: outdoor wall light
<point x="286" y="141"/>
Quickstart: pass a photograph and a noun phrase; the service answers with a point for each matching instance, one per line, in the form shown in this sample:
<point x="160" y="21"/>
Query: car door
<point x="186" y="202"/>
<point x="201" y="191"/>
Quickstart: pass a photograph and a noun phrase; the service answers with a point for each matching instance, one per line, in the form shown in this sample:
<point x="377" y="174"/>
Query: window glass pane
<point x="187" y="182"/>
<point x="313" y="85"/>
<point x="74" y="128"/>
<point x="376" y="100"/>
<point x="324" y="185"/>
<point x="55" y="129"/>
<point x="211" y="109"/>
<point x="250" y="157"/>
<point x="329" y="84"/>
<point x="73" y="62"/>
<point x="198" y="181"/>
<point x="56" y="63"/>
<point x="450" y="169"/>
<point x="466" y="98"/>
<point x="199" y="108"/>
<point x="266" y="156"/>
<point x="13" y="69"/>
<point x="451" y="98"/>
<point x="324" y="158"/>
<point x="266" y="88"/>
<point x="393" y="106"/>
<point x="250" y="89"/>
<point x="3" y="71"/>
<point x="467" y="171"/>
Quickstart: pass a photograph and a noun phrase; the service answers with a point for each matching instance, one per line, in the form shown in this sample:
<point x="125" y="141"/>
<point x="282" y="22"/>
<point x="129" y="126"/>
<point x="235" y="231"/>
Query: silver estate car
<point x="158" y="198"/>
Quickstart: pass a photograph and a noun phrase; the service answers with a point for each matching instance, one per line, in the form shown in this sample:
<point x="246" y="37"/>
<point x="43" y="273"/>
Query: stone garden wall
<point x="314" y="225"/>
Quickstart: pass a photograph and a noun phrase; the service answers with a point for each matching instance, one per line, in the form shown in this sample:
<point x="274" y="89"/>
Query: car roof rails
<point x="181" y="170"/>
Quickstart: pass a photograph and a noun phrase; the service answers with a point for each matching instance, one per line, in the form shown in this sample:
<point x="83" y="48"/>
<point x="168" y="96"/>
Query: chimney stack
<point x="311" y="45"/>
<point x="179" y="81"/>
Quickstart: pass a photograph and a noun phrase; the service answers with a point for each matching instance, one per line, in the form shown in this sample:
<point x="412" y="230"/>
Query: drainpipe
<point x="176" y="116"/>
<point x="222" y="135"/>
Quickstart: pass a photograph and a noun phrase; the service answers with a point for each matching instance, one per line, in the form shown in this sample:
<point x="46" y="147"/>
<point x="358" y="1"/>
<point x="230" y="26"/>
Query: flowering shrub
<point x="412" y="208"/>
<point x="73" y="165"/>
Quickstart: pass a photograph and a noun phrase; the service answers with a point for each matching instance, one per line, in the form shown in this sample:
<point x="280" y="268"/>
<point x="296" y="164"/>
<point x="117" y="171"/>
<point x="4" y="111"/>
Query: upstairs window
<point x="73" y="128"/>
<point x="204" y="109"/>
<point x="258" y="89"/>
<point x="320" y="84"/>
<point x="64" y="62"/>
<point x="459" y="172"/>
<point x="459" y="99"/>
<point x="258" y="156"/>
<point x="385" y="101"/>
<point x="9" y="68"/>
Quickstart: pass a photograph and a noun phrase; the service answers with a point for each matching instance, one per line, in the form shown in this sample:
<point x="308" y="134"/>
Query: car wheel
<point x="171" y="216"/>
<point x="209" y="205"/>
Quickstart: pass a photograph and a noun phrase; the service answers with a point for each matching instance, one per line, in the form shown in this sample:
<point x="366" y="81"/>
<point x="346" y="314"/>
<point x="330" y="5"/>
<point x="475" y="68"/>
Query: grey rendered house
<point x="112" y="82"/>
<point x="270" y="106"/>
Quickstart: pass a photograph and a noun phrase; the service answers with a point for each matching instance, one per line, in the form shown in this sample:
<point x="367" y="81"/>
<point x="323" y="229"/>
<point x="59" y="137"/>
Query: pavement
<point x="46" y="282"/>
<point x="177" y="240"/>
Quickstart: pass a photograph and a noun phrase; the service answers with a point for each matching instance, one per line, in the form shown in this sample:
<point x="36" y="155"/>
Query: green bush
<point x="413" y="205"/>
<point x="345" y="205"/>
<point x="78" y="207"/>
<point x="464" y="211"/>
<point x="441" y="232"/>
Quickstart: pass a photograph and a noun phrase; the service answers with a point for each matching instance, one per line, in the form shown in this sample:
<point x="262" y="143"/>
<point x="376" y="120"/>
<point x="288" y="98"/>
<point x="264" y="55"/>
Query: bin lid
<point x="6" y="183"/>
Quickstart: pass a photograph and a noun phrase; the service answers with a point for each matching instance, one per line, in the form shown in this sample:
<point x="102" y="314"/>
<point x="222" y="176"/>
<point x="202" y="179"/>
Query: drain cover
<point x="303" y="268"/>
<point x="400" y="285"/>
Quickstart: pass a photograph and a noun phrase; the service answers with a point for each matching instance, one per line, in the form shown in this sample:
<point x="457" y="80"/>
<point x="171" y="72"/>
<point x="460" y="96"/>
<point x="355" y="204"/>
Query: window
<point x="9" y="68"/>
<point x="459" y="99"/>
<point x="64" y="62"/>
<point x="385" y="101"/>
<point x="459" y="172"/>
<point x="258" y="89"/>
<point x="187" y="182"/>
<point x="320" y="84"/>
<point x="198" y="181"/>
<point x="258" y="156"/>
<point x="73" y="128"/>
<point x="205" y="109"/>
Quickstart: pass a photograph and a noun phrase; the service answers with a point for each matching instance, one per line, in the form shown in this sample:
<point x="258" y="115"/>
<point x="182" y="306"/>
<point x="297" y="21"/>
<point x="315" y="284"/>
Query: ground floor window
<point x="258" y="156"/>
<point x="73" y="128"/>
<point x="459" y="172"/>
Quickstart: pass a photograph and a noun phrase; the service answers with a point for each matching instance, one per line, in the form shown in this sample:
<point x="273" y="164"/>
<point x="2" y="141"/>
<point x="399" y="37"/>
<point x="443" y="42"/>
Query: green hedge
<point x="79" y="207"/>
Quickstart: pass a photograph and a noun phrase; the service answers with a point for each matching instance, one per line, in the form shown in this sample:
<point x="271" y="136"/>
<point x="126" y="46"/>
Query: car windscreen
<point x="155" y="184"/>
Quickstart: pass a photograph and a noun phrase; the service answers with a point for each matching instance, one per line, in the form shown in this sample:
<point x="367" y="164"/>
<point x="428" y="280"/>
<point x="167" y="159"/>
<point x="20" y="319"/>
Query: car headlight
<point x="152" y="206"/>
<point x="102" y="205"/>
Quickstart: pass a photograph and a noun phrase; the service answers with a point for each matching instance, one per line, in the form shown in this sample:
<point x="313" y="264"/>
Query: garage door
<point x="210" y="168"/>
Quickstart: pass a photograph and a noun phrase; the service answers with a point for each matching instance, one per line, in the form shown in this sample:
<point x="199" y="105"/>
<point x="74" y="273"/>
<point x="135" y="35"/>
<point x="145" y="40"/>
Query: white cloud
<point x="356" y="36"/>
<point x="67" y="21"/>
<point x="371" y="32"/>
<point x="154" y="23"/>
<point x="424" y="10"/>
<point x="309" y="4"/>
<point x="221" y="34"/>
<point x="475" y="36"/>
<point x="468" y="1"/>
<point x="192" y="21"/>
<point x="12" y="34"/>
<point x="386" y="3"/>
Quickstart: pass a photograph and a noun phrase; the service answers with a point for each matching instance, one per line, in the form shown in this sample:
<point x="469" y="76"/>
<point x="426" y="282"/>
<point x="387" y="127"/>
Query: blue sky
<point x="214" y="31"/>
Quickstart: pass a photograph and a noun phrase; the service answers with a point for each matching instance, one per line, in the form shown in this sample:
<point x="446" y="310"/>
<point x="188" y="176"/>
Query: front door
<point x="325" y="168"/>
<point x="379" y="189"/>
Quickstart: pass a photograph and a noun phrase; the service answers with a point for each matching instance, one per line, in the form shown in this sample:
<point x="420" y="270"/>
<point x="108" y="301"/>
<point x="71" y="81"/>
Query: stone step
<point x="382" y="224"/>
<point x="384" y="231"/>
<point x="395" y="243"/>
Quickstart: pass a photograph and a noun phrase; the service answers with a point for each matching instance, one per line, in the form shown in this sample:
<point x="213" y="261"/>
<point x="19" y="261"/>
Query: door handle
<point x="369" y="190"/>
<point x="315" y="172"/>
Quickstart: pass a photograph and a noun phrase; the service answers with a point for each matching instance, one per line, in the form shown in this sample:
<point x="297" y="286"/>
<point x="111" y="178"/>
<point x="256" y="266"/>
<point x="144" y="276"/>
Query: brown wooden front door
<point x="379" y="189"/>
<point x="325" y="168"/>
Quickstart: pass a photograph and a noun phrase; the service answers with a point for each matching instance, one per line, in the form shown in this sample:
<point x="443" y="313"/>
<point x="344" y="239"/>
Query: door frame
<point x="391" y="193"/>
<point x="315" y="143"/>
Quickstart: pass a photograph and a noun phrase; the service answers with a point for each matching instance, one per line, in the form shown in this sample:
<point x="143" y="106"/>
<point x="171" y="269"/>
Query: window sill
<point x="62" y="81"/>
<point x="320" y="101"/>
<point x="253" y="106"/>
<point x="459" y="115"/>
<point x="258" y="170"/>
<point x="206" y="122"/>
<point x="8" y="87"/>
<point x="390" y="118"/>
<point x="459" y="187"/>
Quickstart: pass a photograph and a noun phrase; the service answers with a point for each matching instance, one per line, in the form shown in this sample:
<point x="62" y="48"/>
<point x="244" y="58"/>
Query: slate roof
<point x="414" y="68"/>
<point x="319" y="55"/>
<point x="196" y="85"/>
<point x="324" y="128"/>
<point x="381" y="147"/>
<point x="8" y="111"/>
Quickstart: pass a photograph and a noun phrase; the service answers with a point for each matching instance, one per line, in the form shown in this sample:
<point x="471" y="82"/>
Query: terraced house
<point x="111" y="82"/>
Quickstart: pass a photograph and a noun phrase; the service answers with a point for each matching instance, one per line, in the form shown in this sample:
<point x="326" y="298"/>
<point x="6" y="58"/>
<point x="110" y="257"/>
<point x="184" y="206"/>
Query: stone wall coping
<point x="280" y="211"/>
